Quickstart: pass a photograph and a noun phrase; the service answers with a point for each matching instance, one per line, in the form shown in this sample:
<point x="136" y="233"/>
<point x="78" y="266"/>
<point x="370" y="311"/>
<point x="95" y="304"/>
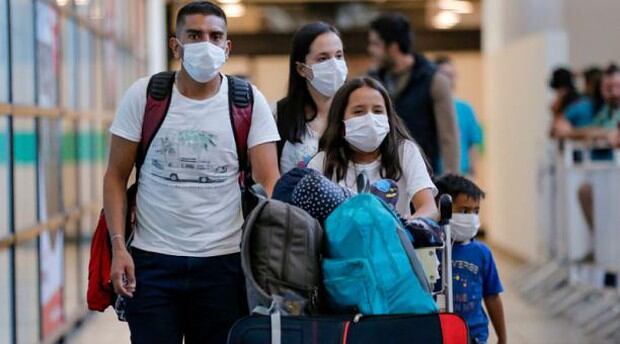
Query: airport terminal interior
<point x="550" y="215"/>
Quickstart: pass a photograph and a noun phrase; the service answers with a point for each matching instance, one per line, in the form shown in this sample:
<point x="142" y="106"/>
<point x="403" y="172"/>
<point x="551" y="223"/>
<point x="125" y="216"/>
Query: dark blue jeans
<point x="194" y="298"/>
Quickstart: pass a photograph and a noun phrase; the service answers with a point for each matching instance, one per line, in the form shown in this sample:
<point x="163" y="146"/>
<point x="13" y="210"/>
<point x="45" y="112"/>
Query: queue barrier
<point x="579" y="279"/>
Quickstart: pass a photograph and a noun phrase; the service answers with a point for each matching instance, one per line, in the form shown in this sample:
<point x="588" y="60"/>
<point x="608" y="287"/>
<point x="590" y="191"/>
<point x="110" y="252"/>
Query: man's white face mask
<point x="202" y="60"/>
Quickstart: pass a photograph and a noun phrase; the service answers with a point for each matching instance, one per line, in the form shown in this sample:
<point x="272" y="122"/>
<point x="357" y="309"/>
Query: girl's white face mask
<point x="464" y="226"/>
<point x="203" y="60"/>
<point x="328" y="76"/>
<point x="366" y="133"/>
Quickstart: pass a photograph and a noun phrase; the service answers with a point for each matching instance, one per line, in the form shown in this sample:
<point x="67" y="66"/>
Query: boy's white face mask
<point x="464" y="226"/>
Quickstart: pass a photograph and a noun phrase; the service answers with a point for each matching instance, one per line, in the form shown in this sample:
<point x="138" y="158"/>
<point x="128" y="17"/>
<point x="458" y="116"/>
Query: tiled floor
<point x="526" y="323"/>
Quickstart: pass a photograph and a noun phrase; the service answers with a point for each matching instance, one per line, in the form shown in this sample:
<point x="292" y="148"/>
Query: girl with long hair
<point x="364" y="135"/>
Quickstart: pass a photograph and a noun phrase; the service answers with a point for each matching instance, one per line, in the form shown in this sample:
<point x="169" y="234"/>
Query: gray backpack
<point x="280" y="256"/>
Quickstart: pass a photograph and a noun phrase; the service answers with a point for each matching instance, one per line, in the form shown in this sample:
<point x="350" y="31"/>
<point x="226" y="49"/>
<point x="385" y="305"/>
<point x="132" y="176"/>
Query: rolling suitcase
<point x="438" y="328"/>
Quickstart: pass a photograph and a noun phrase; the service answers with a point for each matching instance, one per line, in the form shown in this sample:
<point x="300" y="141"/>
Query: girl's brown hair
<point x="338" y="153"/>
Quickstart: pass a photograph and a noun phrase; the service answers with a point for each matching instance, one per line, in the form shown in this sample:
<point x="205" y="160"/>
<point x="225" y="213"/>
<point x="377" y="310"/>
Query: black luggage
<point x="443" y="328"/>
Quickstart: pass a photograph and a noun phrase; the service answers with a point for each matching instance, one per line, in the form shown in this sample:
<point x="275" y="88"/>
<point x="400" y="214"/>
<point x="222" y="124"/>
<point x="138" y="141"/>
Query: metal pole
<point x="11" y="183"/>
<point x="37" y="168"/>
<point x="448" y="269"/>
<point x="445" y="210"/>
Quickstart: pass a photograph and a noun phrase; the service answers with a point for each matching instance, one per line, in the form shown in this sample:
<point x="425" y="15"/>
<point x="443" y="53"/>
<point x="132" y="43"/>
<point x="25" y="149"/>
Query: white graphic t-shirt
<point x="299" y="154"/>
<point x="188" y="202"/>
<point x="415" y="176"/>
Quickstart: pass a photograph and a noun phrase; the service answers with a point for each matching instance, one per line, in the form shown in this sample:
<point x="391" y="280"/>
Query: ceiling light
<point x="62" y="2"/>
<point x="458" y="6"/>
<point x="81" y="2"/>
<point x="234" y="10"/>
<point x="445" y="20"/>
<point x="229" y="1"/>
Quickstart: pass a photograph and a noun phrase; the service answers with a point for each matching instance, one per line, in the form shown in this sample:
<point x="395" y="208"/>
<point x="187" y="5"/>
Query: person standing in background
<point x="421" y="96"/>
<point x="469" y="128"/>
<point x="566" y="108"/>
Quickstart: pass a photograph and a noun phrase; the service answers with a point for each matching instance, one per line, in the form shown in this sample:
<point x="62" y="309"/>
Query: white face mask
<point x="366" y="133"/>
<point x="328" y="76"/>
<point x="203" y="60"/>
<point x="464" y="226"/>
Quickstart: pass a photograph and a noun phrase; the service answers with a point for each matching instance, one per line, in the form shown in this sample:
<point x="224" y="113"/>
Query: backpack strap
<point x="241" y="105"/>
<point x="158" y="96"/>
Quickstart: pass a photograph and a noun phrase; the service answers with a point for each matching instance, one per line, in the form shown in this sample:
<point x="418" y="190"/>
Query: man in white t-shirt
<point x="183" y="278"/>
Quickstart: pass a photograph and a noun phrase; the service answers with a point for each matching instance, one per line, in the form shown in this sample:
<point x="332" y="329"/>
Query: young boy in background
<point x="475" y="276"/>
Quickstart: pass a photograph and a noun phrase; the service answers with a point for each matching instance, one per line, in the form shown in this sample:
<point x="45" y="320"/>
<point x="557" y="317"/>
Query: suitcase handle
<point x="445" y="209"/>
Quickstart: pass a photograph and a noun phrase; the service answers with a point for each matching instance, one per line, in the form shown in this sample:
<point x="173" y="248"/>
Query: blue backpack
<point x="369" y="264"/>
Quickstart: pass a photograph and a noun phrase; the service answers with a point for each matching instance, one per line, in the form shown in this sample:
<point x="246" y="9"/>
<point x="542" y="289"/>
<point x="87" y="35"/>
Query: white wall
<point x="593" y="27"/>
<point x="516" y="98"/>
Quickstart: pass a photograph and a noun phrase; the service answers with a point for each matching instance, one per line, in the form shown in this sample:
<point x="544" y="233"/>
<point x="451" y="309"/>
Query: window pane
<point x="5" y="294"/>
<point x="74" y="282"/>
<point x="69" y="147"/>
<point x="69" y="64"/>
<point x="27" y="288"/>
<point x="4" y="53"/>
<point x="51" y="250"/>
<point x="111" y="70"/>
<point x="25" y="153"/>
<point x="47" y="55"/>
<point x="5" y="291"/>
<point x="84" y="72"/>
<point x="87" y="187"/>
<point x="22" y="51"/>
<point x="4" y="165"/>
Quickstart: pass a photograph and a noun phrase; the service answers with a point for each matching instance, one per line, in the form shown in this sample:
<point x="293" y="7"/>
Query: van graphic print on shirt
<point x="185" y="156"/>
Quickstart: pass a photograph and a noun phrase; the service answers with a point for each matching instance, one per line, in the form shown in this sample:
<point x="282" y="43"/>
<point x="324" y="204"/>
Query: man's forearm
<point x="115" y="210"/>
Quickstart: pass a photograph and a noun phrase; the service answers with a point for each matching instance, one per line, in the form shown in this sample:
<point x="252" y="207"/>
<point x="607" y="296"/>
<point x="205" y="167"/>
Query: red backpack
<point x="100" y="293"/>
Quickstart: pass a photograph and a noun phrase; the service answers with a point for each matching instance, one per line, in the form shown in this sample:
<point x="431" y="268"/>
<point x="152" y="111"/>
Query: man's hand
<point x="614" y="138"/>
<point x="561" y="128"/>
<point x="123" y="273"/>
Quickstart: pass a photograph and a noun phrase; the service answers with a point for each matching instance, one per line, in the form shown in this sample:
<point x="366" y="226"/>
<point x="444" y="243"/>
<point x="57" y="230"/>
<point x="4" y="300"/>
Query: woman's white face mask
<point x="203" y="60"/>
<point x="328" y="76"/>
<point x="464" y="226"/>
<point x="367" y="132"/>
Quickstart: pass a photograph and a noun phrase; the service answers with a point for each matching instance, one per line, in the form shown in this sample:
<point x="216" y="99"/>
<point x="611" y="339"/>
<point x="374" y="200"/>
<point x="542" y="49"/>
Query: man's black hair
<point x="562" y="78"/>
<point x="455" y="185"/>
<point x="394" y="28"/>
<point x="612" y="69"/>
<point x="199" y="7"/>
<point x="442" y="59"/>
<point x="592" y="73"/>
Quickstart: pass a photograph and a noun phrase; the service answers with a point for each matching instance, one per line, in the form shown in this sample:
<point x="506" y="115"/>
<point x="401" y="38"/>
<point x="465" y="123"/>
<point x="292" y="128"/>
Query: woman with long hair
<point x="317" y="69"/>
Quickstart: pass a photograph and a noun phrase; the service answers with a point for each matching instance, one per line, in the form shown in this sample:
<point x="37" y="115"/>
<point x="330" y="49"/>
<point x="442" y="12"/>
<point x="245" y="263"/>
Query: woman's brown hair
<point x="337" y="151"/>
